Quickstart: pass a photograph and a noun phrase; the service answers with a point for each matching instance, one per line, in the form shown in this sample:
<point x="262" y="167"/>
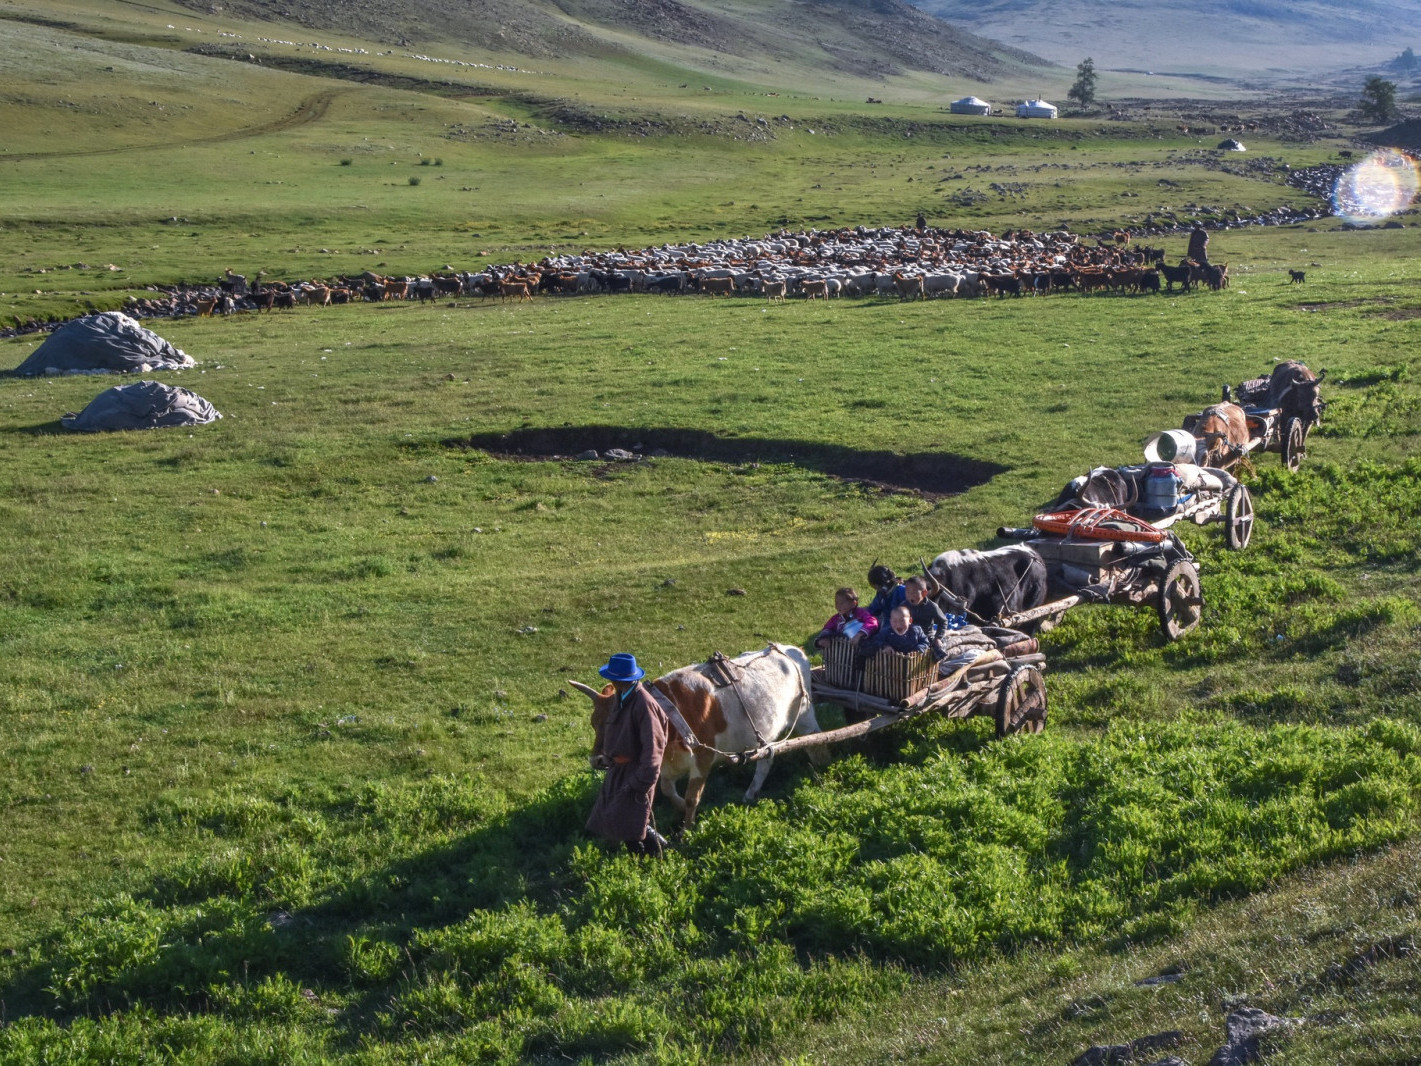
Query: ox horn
<point x="586" y="690"/>
<point x="1322" y="373"/>
<point x="937" y="585"/>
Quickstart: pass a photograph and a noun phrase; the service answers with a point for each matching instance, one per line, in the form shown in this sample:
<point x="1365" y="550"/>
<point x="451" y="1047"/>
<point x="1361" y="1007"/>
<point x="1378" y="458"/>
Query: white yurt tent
<point x="1036" y="109"/>
<point x="970" y="105"/>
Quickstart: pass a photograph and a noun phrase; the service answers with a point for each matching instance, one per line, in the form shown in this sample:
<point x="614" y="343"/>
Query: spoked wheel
<point x="1295" y="444"/>
<point x="1238" y="513"/>
<point x="1021" y="705"/>
<point x="1181" y="600"/>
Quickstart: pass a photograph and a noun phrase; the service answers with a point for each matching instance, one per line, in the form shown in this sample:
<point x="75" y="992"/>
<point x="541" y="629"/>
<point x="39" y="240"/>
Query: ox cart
<point x="1165" y="492"/>
<point x="1102" y="555"/>
<point x="1278" y="412"/>
<point x="1269" y="429"/>
<point x="998" y="674"/>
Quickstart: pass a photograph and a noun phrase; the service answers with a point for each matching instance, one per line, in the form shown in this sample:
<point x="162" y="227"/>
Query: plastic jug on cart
<point x="1172" y="446"/>
<point x="1161" y="494"/>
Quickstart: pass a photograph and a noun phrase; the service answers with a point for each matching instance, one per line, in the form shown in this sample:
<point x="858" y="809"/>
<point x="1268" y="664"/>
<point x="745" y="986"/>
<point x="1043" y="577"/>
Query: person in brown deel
<point x="1199" y="245"/>
<point x="633" y="739"/>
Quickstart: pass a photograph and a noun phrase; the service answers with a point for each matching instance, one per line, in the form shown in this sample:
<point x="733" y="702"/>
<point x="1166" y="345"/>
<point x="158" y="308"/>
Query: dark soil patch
<point x="1400" y="314"/>
<point x="931" y="474"/>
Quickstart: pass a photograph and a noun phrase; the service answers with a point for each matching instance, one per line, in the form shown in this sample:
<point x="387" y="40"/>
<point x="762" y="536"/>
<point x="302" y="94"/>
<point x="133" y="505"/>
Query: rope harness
<point x="683" y="729"/>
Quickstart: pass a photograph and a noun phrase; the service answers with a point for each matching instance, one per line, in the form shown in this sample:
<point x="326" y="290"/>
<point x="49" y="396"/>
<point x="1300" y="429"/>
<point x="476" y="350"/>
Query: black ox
<point x="988" y="585"/>
<point x="1294" y="390"/>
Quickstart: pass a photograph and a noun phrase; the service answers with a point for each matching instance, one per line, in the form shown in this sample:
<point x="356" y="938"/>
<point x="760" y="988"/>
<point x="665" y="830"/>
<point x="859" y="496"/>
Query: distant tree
<point x="1406" y="62"/>
<point x="1083" y="91"/>
<point x="1378" y="103"/>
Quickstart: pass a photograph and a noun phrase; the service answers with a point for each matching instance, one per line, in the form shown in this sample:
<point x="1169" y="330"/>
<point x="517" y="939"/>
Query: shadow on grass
<point x="218" y="935"/>
<point x="221" y="940"/>
<point x="930" y="473"/>
<point x="42" y="429"/>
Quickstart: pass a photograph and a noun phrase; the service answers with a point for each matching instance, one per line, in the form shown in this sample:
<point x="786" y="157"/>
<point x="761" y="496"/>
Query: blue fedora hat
<point x="622" y="667"/>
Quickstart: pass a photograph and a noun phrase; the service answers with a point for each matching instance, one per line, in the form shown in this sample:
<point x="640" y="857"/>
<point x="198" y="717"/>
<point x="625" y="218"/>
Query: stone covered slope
<point x="861" y="37"/>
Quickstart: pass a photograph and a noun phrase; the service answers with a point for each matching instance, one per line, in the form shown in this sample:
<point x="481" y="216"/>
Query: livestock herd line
<point x="902" y="263"/>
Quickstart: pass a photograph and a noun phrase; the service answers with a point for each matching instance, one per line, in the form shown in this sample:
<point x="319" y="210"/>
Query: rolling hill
<point x="1269" y="38"/>
<point x="855" y="37"/>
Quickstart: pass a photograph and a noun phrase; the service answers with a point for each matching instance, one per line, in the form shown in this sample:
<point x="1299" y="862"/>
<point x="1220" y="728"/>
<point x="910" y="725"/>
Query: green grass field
<point x="291" y="773"/>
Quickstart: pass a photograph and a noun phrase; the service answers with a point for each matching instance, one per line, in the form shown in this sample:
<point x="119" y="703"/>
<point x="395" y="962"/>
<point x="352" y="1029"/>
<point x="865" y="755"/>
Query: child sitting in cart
<point x="849" y="621"/>
<point x="926" y="614"/>
<point x="900" y="634"/>
<point x="890" y="592"/>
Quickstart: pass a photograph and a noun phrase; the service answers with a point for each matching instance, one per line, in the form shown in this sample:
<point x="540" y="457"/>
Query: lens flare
<point x="1377" y="187"/>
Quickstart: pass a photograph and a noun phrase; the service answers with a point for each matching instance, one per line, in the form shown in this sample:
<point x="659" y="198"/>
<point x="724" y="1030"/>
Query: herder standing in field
<point x="633" y="739"/>
<point x="1199" y="244"/>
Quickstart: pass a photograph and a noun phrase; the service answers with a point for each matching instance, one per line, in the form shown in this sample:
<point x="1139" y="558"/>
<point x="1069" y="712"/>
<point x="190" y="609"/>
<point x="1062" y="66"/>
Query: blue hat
<point x="622" y="667"/>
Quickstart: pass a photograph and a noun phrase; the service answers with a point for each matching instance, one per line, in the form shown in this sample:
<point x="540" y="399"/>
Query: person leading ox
<point x="633" y="741"/>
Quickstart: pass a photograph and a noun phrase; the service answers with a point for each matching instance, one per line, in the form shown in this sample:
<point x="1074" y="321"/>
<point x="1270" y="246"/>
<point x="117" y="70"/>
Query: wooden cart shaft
<point x="960" y="701"/>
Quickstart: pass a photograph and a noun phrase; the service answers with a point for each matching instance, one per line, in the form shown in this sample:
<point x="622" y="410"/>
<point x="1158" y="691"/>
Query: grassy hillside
<point x="1261" y="39"/>
<point x="273" y="669"/>
<point x="291" y="772"/>
<point x="862" y="39"/>
<point x="169" y="163"/>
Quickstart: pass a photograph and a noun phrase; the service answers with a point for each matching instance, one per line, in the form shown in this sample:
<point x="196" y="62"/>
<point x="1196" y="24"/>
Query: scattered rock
<point x="735" y="592"/>
<point x="620" y="455"/>
<point x="540" y="717"/>
<point x="1159" y="979"/>
<point x="1245" y="1026"/>
<point x="431" y="479"/>
<point x="1388" y="948"/>
<point x="1120" y="1054"/>
<point x="668" y="582"/>
<point x="590" y="454"/>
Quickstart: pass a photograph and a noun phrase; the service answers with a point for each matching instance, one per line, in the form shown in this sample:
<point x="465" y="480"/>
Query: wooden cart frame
<point x="1010" y="691"/>
<point x="1232" y="506"/>
<point x="1176" y="593"/>
<point x="1268" y="431"/>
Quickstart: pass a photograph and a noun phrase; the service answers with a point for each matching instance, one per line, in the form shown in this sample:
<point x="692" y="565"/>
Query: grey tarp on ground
<point x="104" y="343"/>
<point x="142" y="405"/>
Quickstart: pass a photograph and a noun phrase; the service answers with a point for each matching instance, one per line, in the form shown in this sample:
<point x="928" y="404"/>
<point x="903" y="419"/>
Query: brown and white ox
<point x="771" y="698"/>
<point x="1294" y="390"/>
<point x="1223" y="430"/>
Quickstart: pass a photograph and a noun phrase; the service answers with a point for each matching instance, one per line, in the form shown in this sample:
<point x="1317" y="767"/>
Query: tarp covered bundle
<point x="108" y="342"/>
<point x="142" y="405"/>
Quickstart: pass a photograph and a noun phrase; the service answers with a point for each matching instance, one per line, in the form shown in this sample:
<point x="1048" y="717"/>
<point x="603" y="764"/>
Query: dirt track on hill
<point x="311" y="109"/>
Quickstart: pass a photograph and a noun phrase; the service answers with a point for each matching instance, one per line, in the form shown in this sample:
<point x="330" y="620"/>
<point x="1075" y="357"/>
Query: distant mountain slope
<point x="862" y="37"/>
<point x="1243" y="35"/>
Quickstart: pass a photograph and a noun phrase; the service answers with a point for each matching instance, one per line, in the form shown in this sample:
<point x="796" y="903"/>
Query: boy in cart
<point x="900" y="634"/>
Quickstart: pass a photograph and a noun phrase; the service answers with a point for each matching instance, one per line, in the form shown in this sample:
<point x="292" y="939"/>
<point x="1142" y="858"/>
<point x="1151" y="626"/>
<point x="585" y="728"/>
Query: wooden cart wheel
<point x="1295" y="447"/>
<point x="1181" y="600"/>
<point x="1021" y="702"/>
<point x="1238" y="513"/>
